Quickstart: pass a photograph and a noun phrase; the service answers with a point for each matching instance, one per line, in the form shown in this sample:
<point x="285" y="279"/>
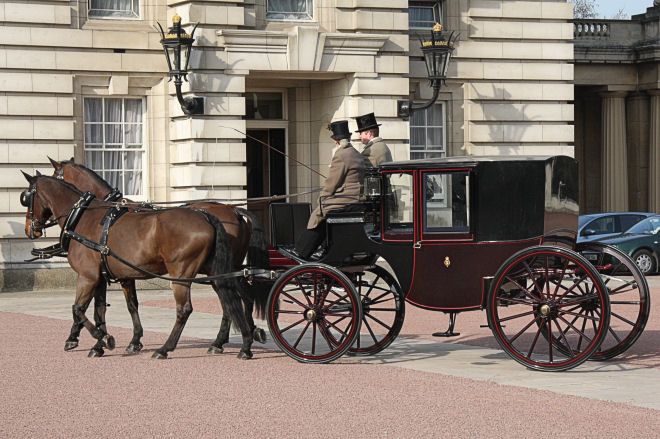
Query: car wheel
<point x="644" y="260"/>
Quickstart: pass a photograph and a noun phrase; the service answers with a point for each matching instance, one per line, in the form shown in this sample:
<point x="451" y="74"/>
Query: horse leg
<point x="84" y="289"/>
<point x="223" y="333"/>
<point x="183" y="311"/>
<point x="130" y="295"/>
<point x="100" y="306"/>
<point x="72" y="342"/>
<point x="258" y="334"/>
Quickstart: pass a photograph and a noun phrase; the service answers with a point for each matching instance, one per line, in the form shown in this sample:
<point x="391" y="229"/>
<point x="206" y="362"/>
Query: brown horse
<point x="178" y="242"/>
<point x="245" y="233"/>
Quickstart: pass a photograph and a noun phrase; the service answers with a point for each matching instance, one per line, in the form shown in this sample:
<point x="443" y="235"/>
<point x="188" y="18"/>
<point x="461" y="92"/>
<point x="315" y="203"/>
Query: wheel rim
<point x="313" y="314"/>
<point x="383" y="311"/>
<point x="629" y="298"/>
<point x="644" y="263"/>
<point x="548" y="309"/>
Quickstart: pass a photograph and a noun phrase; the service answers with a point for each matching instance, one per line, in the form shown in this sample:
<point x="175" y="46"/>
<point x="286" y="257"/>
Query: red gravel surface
<point x="50" y="393"/>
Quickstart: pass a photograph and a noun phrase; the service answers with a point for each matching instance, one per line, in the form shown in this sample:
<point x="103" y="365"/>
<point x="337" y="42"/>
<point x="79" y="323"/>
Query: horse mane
<point x="62" y="182"/>
<point x="90" y="171"/>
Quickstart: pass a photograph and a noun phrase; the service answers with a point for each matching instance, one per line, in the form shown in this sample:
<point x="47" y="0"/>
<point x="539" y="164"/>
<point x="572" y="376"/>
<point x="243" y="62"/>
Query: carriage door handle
<point x="417" y="245"/>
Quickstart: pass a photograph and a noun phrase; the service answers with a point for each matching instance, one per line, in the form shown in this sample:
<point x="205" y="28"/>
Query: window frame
<point x="142" y="196"/>
<point x="133" y="14"/>
<point x="433" y="232"/>
<point x="285" y="16"/>
<point x="435" y="6"/>
<point x="425" y="152"/>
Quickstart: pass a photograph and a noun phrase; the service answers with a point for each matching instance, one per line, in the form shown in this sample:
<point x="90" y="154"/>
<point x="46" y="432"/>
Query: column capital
<point x="614" y="94"/>
<point x="654" y="92"/>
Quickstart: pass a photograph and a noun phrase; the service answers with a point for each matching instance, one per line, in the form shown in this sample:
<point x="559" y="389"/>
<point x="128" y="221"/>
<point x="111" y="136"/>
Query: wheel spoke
<point x="302" y="333"/>
<point x="536" y="337"/>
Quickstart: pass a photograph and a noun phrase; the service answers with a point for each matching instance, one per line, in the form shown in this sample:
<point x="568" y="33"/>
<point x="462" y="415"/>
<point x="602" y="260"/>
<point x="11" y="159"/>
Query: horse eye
<point x="25" y="198"/>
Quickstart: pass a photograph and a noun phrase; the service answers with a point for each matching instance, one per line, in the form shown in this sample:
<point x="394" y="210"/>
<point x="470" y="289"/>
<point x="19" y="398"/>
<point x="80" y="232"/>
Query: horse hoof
<point x="214" y="350"/>
<point x="69" y="345"/>
<point x="244" y="355"/>
<point x="133" y="348"/>
<point x="108" y="341"/>
<point x="95" y="353"/>
<point x="159" y="356"/>
<point x="259" y="335"/>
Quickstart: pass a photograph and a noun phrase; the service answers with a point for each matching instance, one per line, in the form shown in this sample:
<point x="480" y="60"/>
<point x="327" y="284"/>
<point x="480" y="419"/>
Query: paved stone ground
<point x="419" y="386"/>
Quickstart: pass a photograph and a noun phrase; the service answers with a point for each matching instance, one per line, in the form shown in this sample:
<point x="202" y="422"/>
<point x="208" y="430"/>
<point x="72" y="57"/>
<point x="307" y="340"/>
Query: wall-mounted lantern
<point x="437" y="53"/>
<point x="177" y="45"/>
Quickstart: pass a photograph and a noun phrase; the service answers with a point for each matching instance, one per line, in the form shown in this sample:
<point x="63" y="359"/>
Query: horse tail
<point x="223" y="260"/>
<point x="257" y="257"/>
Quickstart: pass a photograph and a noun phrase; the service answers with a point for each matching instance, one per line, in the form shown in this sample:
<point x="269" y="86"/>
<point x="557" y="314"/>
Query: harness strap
<point x="108" y="220"/>
<point x="113" y="195"/>
<point x="73" y="218"/>
<point x="104" y="250"/>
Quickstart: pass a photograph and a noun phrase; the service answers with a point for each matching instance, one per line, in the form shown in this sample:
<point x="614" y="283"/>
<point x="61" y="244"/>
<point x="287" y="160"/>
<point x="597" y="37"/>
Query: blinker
<point x="26" y="198"/>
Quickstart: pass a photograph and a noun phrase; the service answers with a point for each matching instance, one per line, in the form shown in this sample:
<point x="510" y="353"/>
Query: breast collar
<point x="73" y="218"/>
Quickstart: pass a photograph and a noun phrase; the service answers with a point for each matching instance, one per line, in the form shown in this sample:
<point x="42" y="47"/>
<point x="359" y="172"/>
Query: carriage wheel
<point x="314" y="313"/>
<point x="383" y="310"/>
<point x="548" y="308"/>
<point x="629" y="297"/>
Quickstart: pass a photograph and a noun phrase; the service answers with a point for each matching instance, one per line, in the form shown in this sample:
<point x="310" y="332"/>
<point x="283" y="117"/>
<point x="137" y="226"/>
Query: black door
<point x="266" y="169"/>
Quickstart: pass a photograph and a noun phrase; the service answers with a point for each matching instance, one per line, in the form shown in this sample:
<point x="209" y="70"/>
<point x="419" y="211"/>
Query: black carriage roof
<point x="468" y="161"/>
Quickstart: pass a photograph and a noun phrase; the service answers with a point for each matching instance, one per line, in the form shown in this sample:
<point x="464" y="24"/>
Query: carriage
<point x="459" y="234"/>
<point x="452" y="235"/>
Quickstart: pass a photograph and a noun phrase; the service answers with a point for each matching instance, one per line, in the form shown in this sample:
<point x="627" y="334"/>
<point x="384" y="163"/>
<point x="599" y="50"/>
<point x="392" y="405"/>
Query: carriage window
<point x="399" y="202"/>
<point x="447" y="202"/>
<point x="114" y="141"/>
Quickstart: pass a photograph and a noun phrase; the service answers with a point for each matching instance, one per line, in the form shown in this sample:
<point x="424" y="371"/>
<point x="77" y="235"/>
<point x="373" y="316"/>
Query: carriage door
<point x="266" y="169"/>
<point x="445" y="253"/>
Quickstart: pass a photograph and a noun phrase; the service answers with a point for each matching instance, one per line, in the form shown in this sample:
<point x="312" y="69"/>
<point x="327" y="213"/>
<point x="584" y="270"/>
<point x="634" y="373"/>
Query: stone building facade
<point x="88" y="79"/>
<point x="617" y="112"/>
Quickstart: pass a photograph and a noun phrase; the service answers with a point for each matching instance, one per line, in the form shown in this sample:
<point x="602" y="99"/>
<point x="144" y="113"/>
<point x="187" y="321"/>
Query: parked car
<point x="641" y="242"/>
<point x="598" y="226"/>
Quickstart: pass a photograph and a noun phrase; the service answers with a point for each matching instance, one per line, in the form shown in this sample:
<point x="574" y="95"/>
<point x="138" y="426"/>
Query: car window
<point x="627" y="221"/>
<point x="600" y="226"/>
<point x="649" y="226"/>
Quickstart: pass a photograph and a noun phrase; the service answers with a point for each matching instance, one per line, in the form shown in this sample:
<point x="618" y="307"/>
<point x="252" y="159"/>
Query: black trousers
<point x="310" y="239"/>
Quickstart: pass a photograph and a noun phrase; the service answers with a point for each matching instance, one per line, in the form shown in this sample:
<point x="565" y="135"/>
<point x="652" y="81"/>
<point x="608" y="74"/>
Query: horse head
<point x="38" y="214"/>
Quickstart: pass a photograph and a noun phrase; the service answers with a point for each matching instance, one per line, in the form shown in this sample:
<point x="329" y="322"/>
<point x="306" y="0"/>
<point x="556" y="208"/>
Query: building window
<point x="263" y="105"/>
<point x="424" y="15"/>
<point x="114" y="141"/>
<point x="427" y="133"/>
<point x="114" y="8"/>
<point x="289" y="9"/>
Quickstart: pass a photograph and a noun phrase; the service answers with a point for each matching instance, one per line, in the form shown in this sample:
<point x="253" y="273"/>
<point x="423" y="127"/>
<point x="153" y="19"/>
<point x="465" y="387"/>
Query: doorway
<point x="266" y="169"/>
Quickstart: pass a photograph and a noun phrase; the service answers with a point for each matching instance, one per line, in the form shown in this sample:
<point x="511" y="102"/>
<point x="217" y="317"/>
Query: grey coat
<point x="376" y="152"/>
<point x="343" y="185"/>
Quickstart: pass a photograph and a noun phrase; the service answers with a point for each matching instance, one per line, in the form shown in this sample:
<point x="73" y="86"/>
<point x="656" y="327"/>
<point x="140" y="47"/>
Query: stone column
<point x="654" y="152"/>
<point x="614" y="157"/>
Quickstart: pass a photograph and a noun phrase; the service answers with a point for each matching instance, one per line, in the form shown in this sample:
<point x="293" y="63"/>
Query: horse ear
<point x="38" y="173"/>
<point x="72" y="161"/>
<point x="28" y="177"/>
<point x="57" y="165"/>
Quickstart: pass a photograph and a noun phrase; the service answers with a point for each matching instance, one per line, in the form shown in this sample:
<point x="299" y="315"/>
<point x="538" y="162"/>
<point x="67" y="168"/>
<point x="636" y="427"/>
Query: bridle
<point x="27" y="200"/>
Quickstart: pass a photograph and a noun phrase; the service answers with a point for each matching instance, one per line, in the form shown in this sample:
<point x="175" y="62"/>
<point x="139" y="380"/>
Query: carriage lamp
<point x="177" y="45"/>
<point x="372" y="184"/>
<point x="437" y="53"/>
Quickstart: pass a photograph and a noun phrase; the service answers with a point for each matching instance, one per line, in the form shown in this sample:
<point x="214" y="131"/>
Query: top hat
<point x="366" y="122"/>
<point x="339" y="130"/>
